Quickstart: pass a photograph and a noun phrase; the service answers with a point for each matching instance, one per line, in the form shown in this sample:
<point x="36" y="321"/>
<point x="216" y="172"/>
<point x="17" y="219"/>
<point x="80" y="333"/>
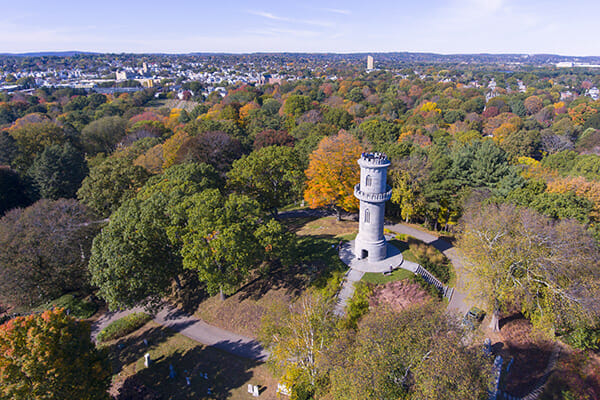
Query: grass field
<point x="377" y="278"/>
<point x="228" y="375"/>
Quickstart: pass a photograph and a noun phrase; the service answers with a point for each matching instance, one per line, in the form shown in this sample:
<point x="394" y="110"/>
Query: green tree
<point x="45" y="250"/>
<point x="50" y="356"/>
<point x="110" y="183"/>
<point x="14" y="191"/>
<point x="32" y="138"/>
<point x="271" y="175"/>
<point x="58" y="171"/>
<point x="219" y="240"/>
<point x="102" y="135"/>
<point x="296" y="105"/>
<point x="133" y="260"/>
<point x="8" y="148"/>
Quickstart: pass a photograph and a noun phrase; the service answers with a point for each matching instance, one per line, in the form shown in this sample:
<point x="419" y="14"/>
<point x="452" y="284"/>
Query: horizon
<point x="234" y="27"/>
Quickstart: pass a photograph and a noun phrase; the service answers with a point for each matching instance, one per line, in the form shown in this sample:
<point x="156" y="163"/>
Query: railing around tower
<point x="359" y="194"/>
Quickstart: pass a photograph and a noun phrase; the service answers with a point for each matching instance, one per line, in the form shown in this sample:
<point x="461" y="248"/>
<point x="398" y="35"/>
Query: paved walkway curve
<point x="195" y="329"/>
<point x="459" y="301"/>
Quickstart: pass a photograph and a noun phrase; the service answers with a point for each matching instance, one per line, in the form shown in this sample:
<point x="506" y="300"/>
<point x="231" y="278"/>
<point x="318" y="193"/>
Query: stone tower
<point x="373" y="192"/>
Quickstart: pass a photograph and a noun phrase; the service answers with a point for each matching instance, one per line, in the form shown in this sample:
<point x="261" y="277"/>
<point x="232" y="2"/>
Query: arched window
<point x="367" y="216"/>
<point x="368" y="180"/>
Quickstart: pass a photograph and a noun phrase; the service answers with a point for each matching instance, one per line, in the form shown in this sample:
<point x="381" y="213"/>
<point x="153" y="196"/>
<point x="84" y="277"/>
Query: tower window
<point x="367" y="216"/>
<point x="368" y="180"/>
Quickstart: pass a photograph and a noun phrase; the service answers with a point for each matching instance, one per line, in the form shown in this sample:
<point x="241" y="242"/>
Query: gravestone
<point x="146" y="360"/>
<point x="282" y="388"/>
<point x="255" y="392"/>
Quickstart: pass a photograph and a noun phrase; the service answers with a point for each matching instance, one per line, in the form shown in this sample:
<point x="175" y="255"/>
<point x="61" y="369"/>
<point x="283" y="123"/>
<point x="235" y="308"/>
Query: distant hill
<point x="49" y="54"/>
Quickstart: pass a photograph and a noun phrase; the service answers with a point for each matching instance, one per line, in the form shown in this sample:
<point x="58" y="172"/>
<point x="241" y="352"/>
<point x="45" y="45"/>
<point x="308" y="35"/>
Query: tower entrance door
<point x="364" y="253"/>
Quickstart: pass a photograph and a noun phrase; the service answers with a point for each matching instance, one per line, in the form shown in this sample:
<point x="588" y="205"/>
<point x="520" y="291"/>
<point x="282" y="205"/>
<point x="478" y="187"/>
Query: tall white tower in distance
<point x="372" y="191"/>
<point x="369" y="63"/>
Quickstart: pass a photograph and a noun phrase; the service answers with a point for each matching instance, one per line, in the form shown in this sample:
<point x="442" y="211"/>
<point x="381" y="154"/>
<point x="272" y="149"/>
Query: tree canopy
<point x="332" y="173"/>
<point x="50" y="356"/>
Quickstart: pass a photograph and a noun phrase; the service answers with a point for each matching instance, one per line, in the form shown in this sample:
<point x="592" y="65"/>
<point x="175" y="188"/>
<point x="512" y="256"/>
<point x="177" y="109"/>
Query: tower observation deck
<point x="372" y="191"/>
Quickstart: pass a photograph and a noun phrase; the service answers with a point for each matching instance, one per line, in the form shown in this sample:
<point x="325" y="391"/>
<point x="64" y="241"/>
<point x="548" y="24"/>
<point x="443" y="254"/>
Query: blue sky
<point x="451" y="26"/>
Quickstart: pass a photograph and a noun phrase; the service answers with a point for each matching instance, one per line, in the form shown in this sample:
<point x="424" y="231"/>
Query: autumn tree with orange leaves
<point x="332" y="173"/>
<point x="51" y="356"/>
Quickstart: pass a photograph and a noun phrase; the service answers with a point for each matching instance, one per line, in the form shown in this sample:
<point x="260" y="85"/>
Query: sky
<point x="566" y="27"/>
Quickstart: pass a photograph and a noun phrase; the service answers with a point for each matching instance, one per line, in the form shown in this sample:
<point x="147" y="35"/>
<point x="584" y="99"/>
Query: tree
<point x="50" y="356"/>
<point x="58" y="171"/>
<point x="298" y="338"/>
<point x="296" y="105"/>
<point x="13" y="190"/>
<point x="515" y="255"/>
<point x="332" y="173"/>
<point x="452" y="371"/>
<point x="271" y="137"/>
<point x="45" y="249"/>
<point x="219" y="240"/>
<point x="533" y="104"/>
<point x="218" y="149"/>
<point x="271" y="175"/>
<point x="110" y="183"/>
<point x="102" y="135"/>
<point x="402" y="363"/>
<point x="32" y="138"/>
<point x="133" y="259"/>
<point x="8" y="148"/>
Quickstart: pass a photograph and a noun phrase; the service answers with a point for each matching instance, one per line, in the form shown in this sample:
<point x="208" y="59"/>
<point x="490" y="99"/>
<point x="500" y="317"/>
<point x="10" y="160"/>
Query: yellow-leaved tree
<point x="332" y="173"/>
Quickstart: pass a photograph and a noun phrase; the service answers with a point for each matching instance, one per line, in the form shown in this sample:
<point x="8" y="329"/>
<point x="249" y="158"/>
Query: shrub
<point x="77" y="308"/>
<point x="358" y="305"/>
<point x="431" y="258"/>
<point x="429" y="288"/>
<point x="584" y="338"/>
<point x="123" y="326"/>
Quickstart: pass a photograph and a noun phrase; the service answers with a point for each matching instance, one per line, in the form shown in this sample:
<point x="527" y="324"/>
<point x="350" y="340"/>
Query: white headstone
<point x="147" y="359"/>
<point x="282" y="388"/>
<point x="249" y="388"/>
<point x="255" y="391"/>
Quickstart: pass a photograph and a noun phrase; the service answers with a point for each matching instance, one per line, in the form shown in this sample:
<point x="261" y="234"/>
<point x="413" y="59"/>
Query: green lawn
<point x="378" y="278"/>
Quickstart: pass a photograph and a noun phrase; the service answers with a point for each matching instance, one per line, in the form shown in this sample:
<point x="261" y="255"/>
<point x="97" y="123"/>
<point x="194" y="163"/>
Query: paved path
<point x="347" y="290"/>
<point x="459" y="300"/>
<point x="195" y="329"/>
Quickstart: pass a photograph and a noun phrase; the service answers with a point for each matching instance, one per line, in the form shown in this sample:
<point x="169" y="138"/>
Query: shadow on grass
<point x="316" y="259"/>
<point x="132" y="347"/>
<point x="191" y="293"/>
<point x="209" y="371"/>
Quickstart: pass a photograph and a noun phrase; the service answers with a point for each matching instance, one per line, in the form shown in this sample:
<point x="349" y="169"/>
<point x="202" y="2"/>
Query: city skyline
<point x="451" y="27"/>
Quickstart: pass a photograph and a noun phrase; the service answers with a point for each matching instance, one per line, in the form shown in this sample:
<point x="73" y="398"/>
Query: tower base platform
<point x="391" y="262"/>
